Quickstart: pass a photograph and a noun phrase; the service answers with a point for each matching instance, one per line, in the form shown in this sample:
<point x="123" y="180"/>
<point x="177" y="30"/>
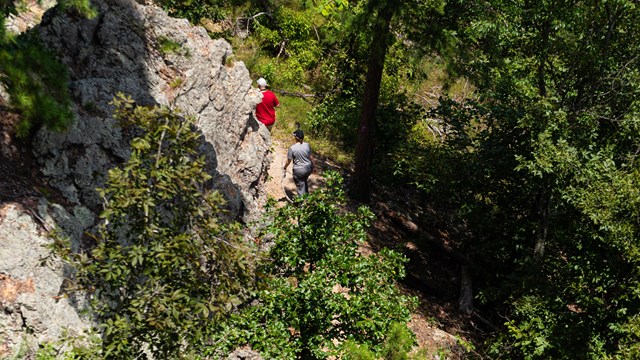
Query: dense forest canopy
<point x="532" y="167"/>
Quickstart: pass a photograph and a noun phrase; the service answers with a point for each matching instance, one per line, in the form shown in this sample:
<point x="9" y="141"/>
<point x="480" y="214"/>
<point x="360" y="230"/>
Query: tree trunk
<point x="366" y="129"/>
<point x="466" y="291"/>
<point x="542" y="230"/>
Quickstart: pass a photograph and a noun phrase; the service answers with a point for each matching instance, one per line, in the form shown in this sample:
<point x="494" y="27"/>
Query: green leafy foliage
<point x="353" y="351"/>
<point x="36" y="83"/>
<point x="331" y="7"/>
<point x="197" y="10"/>
<point x="541" y="172"/>
<point x="82" y="7"/>
<point x="398" y="343"/>
<point x="291" y="35"/>
<point x="317" y="291"/>
<point x="165" y="264"/>
<point x="33" y="77"/>
<point x="336" y="118"/>
<point x="68" y="348"/>
<point x="397" y="346"/>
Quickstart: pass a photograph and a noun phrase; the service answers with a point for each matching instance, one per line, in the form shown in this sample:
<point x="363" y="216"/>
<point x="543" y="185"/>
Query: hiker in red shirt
<point x="265" y="111"/>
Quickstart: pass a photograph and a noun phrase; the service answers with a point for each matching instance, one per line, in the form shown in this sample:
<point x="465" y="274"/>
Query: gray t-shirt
<point x="300" y="154"/>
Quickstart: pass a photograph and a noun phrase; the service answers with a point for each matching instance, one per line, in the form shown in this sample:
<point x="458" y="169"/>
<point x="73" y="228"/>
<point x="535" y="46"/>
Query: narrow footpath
<point x="274" y="184"/>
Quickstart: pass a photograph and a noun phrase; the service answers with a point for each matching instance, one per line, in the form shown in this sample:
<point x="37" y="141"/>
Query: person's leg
<point x="301" y="184"/>
<point x="306" y="185"/>
<point x="300" y="177"/>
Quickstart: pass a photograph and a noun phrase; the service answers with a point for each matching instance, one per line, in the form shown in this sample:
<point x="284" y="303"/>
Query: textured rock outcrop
<point x="31" y="281"/>
<point x="244" y="354"/>
<point x="157" y="60"/>
<point x="140" y="51"/>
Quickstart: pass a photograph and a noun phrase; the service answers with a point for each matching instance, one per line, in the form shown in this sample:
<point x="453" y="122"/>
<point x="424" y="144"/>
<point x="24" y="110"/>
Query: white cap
<point x="262" y="82"/>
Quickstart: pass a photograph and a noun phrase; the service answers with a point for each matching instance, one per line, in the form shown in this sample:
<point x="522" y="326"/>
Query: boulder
<point x="33" y="304"/>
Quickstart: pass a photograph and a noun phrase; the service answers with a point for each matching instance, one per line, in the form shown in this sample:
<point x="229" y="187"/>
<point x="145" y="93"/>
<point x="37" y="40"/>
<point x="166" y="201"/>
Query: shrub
<point x="398" y="343"/>
<point x="353" y="351"/>
<point x="317" y="291"/>
<point x="36" y="83"/>
<point x="165" y="266"/>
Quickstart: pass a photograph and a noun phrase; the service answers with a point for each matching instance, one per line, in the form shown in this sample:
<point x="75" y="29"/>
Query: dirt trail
<point x="274" y="184"/>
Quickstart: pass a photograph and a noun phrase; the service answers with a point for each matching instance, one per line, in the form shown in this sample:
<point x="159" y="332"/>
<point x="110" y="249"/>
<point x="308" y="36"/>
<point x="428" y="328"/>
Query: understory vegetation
<point x="169" y="275"/>
<point x="36" y="83"/>
<point x="317" y="293"/>
<point x="166" y="263"/>
<point x="515" y="123"/>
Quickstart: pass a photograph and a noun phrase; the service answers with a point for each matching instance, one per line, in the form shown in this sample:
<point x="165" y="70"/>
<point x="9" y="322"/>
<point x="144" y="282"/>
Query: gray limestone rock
<point x="31" y="282"/>
<point x="123" y="50"/>
<point x="157" y="60"/>
<point x="244" y="354"/>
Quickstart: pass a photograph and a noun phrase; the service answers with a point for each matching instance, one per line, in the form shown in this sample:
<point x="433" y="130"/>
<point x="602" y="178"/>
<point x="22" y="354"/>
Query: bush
<point x="317" y="291"/>
<point x="336" y="118"/>
<point x="353" y="351"/>
<point x="36" y="83"/>
<point x="164" y="266"/>
<point x="398" y="343"/>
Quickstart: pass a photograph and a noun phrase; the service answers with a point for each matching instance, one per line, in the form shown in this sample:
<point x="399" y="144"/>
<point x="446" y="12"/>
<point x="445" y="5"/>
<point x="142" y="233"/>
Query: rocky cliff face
<point x="34" y="308"/>
<point x="140" y="51"/>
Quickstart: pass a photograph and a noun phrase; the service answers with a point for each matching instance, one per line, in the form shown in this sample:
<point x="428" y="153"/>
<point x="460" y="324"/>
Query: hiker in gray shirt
<point x="303" y="164"/>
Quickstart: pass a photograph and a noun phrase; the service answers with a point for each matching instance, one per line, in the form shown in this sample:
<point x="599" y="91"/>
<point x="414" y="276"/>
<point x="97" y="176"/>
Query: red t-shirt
<point x="265" y="111"/>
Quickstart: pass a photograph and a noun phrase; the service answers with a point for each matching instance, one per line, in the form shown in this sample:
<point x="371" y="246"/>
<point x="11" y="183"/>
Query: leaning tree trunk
<point x="377" y="54"/>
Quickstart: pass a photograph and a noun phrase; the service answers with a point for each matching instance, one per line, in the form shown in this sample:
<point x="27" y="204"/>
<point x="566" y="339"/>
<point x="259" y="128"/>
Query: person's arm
<point x="276" y="101"/>
<point x="284" y="168"/>
<point x="314" y="168"/>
